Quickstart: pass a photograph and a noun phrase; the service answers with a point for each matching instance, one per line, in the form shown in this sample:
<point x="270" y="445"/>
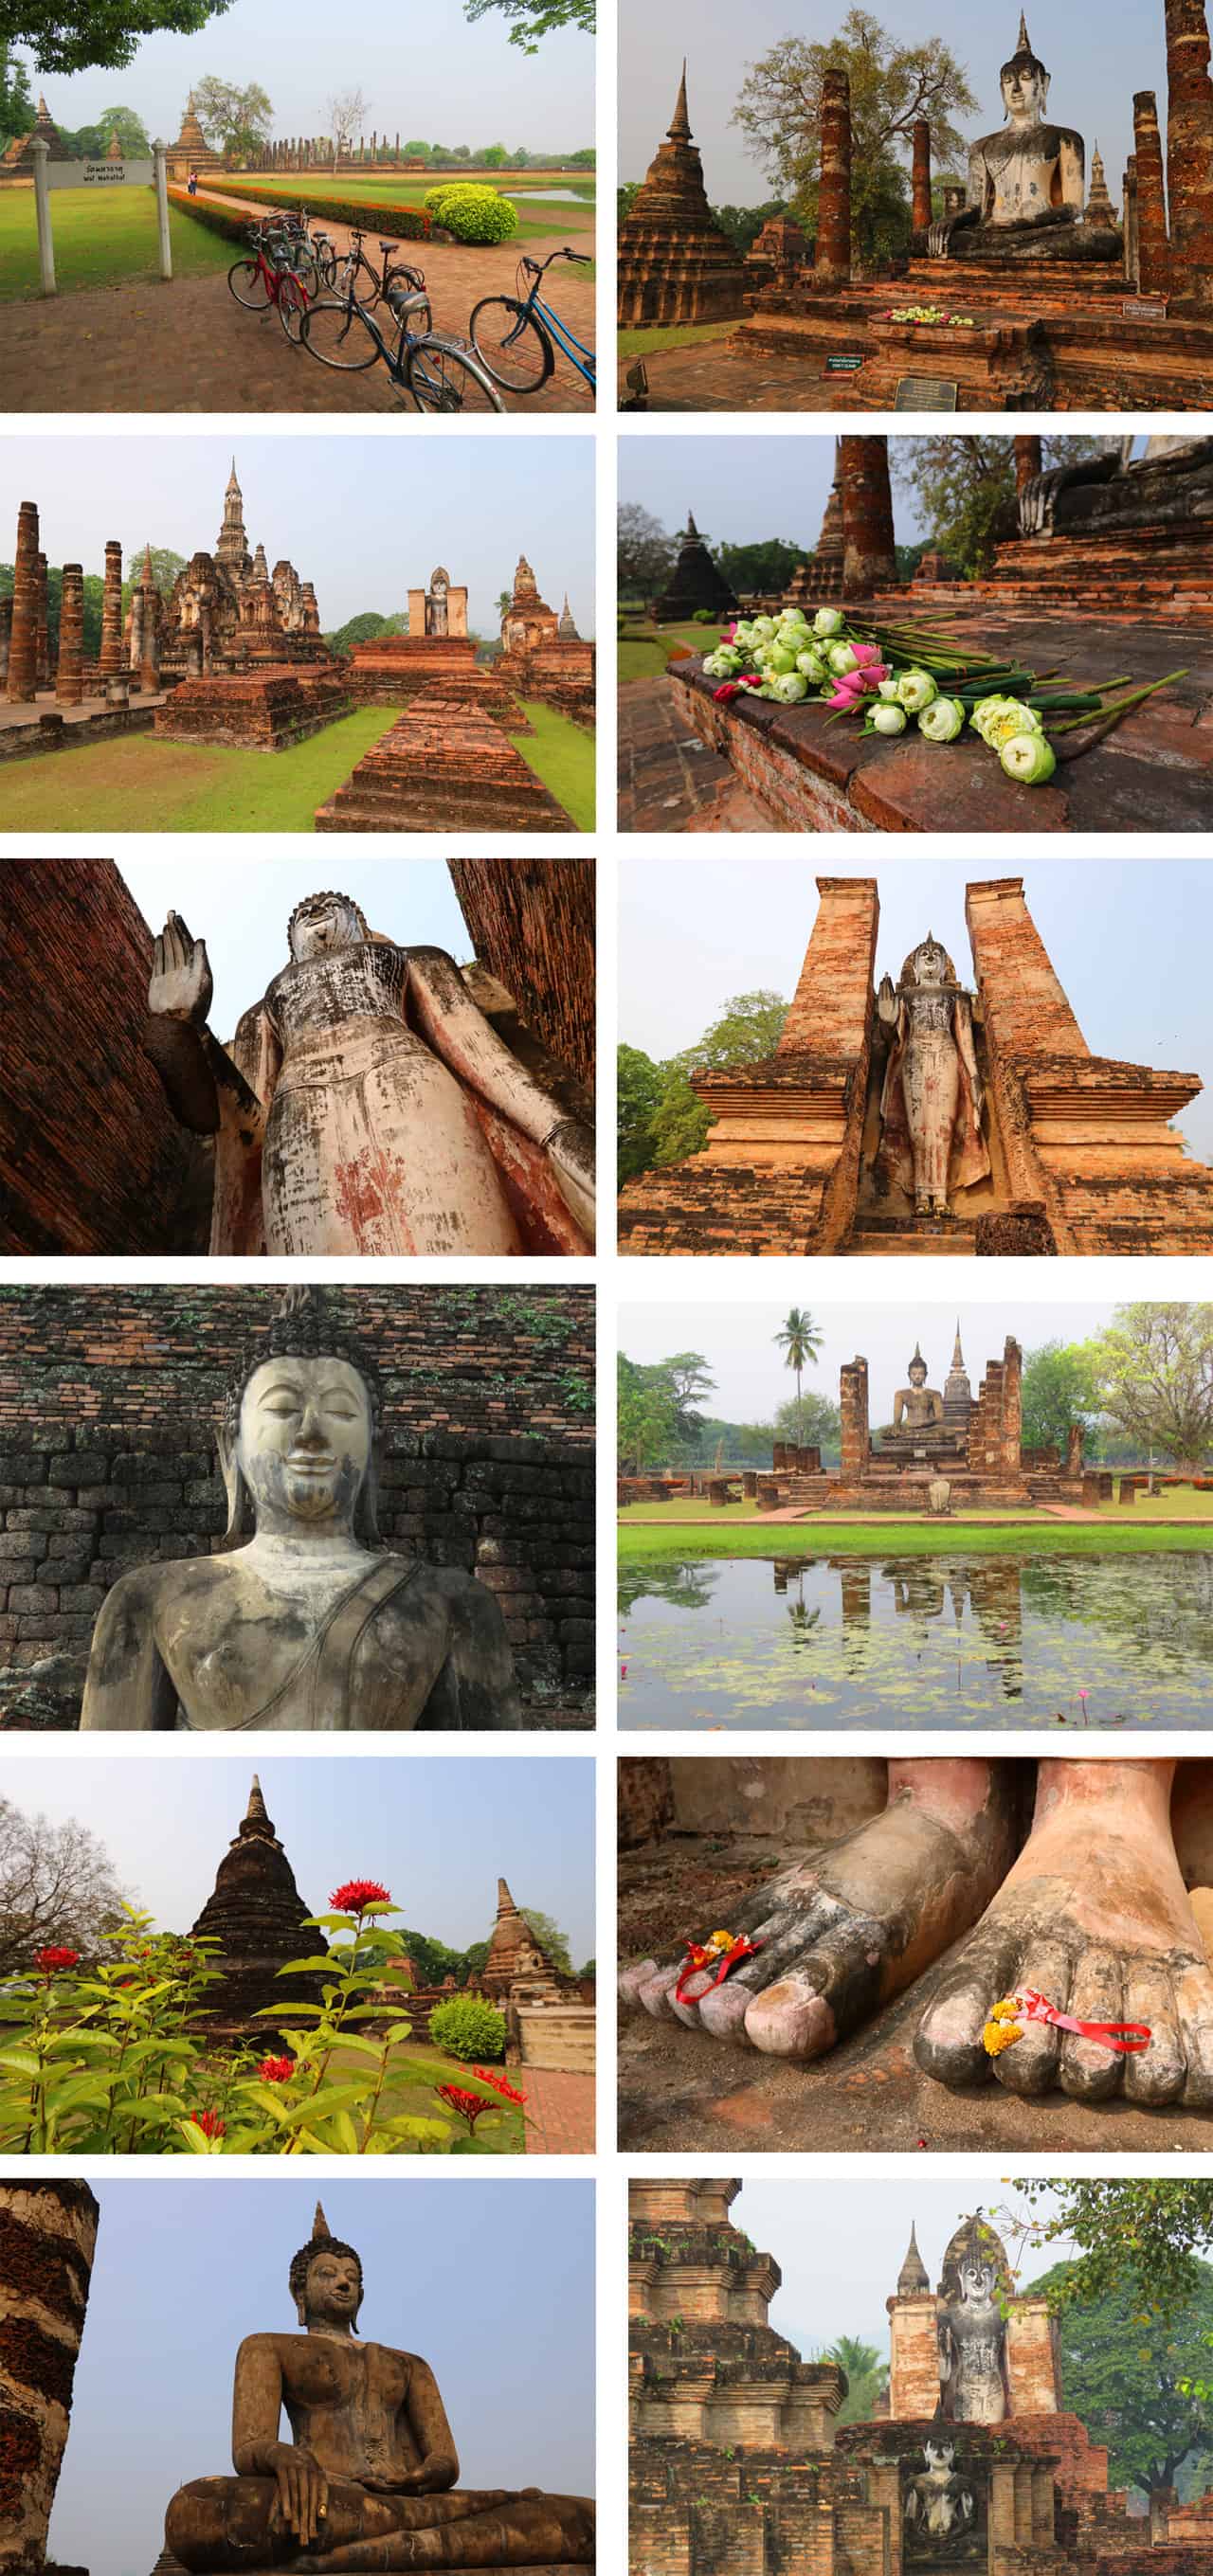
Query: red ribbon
<point x="1124" y="2037"/>
<point x="698" y="1959"/>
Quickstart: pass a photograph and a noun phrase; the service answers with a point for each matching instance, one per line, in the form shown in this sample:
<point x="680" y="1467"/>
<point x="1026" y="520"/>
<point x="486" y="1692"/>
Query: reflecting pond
<point x="938" y="1641"/>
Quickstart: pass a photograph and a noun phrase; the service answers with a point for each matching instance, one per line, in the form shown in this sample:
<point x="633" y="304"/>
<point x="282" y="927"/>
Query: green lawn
<point x="644" y="651"/>
<point x="1179" y="1503"/>
<point x="138" y="784"/>
<point x="562" y="755"/>
<point x="99" y="240"/>
<point x="641" y="1545"/>
<point x="539" y="222"/>
<point x="678" y="335"/>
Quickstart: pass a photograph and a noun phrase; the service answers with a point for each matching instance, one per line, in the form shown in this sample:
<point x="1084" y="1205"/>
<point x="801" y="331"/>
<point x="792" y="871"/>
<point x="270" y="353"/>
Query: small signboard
<point x="844" y="362"/>
<point x="1145" y="308"/>
<point x="926" y="393"/>
<point x="100" y="174"/>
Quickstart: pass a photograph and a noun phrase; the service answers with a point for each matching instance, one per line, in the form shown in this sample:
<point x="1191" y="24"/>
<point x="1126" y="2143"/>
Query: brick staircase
<point x="882" y="1238"/>
<point x="443" y="767"/>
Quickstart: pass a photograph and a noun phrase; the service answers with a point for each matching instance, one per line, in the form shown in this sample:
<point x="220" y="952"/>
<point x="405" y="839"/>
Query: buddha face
<point x="326" y="922"/>
<point x="332" y="2292"/>
<point x="918" y="1372"/>
<point x="304" y="1443"/>
<point x="1025" y="92"/>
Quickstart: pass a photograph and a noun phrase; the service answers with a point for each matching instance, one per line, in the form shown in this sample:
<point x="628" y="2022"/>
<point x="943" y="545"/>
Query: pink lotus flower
<point x="728" y="689"/>
<point x="866" y="653"/>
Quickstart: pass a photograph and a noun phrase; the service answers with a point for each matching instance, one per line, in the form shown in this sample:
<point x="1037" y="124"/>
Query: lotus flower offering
<point x="909" y="673"/>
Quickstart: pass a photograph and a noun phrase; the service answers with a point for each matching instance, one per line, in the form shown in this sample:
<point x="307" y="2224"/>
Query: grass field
<point x="679" y="335"/>
<point x="99" y="244"/>
<point x="136" y="783"/>
<point x="409" y="189"/>
<point x="638" y="1545"/>
<point x="644" y="651"/>
<point x="1180" y="1503"/>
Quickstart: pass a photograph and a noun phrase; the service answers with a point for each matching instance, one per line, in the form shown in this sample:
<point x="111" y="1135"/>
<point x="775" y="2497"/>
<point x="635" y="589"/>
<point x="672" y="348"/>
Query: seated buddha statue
<point x="917" y="1407"/>
<point x="1170" y="485"/>
<point x="306" y="1621"/>
<point x="1027" y="185"/>
<point x="367" y="2479"/>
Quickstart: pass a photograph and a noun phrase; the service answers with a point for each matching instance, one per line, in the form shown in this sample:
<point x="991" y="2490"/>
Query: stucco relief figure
<point x="307" y="1622"/>
<point x="366" y="1104"/>
<point x="1027" y="185"/>
<point x="931" y="1098"/>
<point x="917" y="1407"/>
<point x="1170" y="483"/>
<point x="367" y="2479"/>
<point x="972" y="2348"/>
<point x="940" y="2504"/>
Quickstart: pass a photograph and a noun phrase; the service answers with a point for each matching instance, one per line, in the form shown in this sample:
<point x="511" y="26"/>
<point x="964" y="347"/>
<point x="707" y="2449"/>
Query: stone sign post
<point x="166" y="248"/>
<point x="46" y="246"/>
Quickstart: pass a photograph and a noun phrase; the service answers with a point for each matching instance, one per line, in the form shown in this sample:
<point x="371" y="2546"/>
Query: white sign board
<point x="99" y="174"/>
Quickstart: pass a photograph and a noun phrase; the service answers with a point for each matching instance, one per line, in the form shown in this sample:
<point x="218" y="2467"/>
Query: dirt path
<point x="189" y="347"/>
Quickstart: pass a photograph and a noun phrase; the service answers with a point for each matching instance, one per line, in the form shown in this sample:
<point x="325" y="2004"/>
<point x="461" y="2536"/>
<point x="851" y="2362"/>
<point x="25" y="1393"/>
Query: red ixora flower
<point x="51" y="1960"/>
<point x="468" y="2106"/>
<point x="276" y="2070"/>
<point x="210" y="2124"/>
<point x="359" y="1896"/>
<point x="500" y="2084"/>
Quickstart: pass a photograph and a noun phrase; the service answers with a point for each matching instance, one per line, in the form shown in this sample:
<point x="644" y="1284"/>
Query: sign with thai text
<point x="100" y="174"/>
<point x="1145" y="308"/>
<point x="926" y="393"/>
<point x="844" y="362"/>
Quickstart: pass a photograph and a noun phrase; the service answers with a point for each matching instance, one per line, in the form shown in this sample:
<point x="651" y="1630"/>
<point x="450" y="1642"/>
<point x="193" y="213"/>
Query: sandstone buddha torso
<point x="346" y="2403"/>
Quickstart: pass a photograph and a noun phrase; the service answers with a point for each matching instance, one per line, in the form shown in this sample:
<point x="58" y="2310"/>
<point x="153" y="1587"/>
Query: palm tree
<point x="800" y="1341"/>
<point x="867" y="2377"/>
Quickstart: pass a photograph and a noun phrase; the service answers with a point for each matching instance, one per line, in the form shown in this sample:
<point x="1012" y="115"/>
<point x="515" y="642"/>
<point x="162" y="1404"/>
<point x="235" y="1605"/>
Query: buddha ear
<point x="238" y="1500"/>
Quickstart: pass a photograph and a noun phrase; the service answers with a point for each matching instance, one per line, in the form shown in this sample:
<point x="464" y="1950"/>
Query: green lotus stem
<point x="1112" y="715"/>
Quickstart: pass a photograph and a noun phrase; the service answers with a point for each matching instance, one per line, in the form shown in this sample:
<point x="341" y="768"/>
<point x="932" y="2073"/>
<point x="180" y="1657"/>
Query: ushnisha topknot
<point x="328" y="894"/>
<point x="320" y="2242"/>
<point x="1024" y="57"/>
<point x="302" y="1327"/>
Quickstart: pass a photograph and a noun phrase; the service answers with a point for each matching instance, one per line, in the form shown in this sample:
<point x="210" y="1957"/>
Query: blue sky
<point x="492" y="2281"/>
<point x="841" y="2246"/>
<point x="753" y="1379"/>
<point x="1127" y="938"/>
<point x="437" y="1831"/>
<point x="1093" y="81"/>
<point x="354" y="516"/>
<point x="422" y="69"/>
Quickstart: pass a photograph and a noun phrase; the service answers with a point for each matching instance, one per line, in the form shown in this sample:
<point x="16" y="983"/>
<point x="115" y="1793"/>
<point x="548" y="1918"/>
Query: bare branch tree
<point x="346" y="115"/>
<point x="57" y="1888"/>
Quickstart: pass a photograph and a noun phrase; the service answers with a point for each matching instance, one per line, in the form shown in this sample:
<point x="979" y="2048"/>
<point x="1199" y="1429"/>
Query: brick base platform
<point x="266" y="710"/>
<point x="444" y="767"/>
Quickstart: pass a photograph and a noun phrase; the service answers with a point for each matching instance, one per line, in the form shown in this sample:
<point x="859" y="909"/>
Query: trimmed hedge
<point x="233" y="227"/>
<point x="473" y="214"/>
<point x="403" y="223"/>
<point x="468" y="2028"/>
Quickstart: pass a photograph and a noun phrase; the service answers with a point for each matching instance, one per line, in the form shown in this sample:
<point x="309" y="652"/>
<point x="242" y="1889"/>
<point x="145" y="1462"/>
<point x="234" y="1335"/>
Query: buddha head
<point x="326" y="2280"/>
<point x="1025" y="84"/>
<point x="301" y="1425"/>
<point x="928" y="965"/>
<point x="917" y="1371"/>
<point x="323" y="923"/>
<point x="978" y="2282"/>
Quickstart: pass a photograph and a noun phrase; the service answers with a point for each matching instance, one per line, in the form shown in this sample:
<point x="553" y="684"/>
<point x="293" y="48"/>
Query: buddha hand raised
<point x="181" y="985"/>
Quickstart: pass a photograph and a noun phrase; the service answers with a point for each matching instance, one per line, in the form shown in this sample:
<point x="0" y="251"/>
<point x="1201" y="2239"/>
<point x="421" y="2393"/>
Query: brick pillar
<point x="50" y="2235"/>
<point x="1025" y="1005"/>
<point x="832" y="1003"/>
<point x="922" y="176"/>
<point x="1154" y="250"/>
<point x="1012" y="1408"/>
<point x="869" y="558"/>
<point x="111" y="611"/>
<point x="833" y="265"/>
<point x="1029" y="461"/>
<point x="43" y="633"/>
<point x="23" y="654"/>
<point x="1190" y="149"/>
<point x="69" y="685"/>
<point x="6" y="637"/>
<point x="853" y="1407"/>
<point x="1032" y="2365"/>
<point x="1131" y="227"/>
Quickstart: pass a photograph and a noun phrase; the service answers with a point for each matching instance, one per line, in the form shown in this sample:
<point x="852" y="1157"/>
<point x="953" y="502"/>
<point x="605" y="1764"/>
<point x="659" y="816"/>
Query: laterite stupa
<point x="259" y="1919"/>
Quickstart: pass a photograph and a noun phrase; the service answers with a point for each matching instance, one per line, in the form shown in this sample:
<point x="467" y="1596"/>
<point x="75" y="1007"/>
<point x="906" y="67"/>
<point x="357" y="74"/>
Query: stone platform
<point x="392" y="670"/>
<point x="39" y="724"/>
<point x="444" y="767"/>
<point x="1154" y="773"/>
<point x="264" y="710"/>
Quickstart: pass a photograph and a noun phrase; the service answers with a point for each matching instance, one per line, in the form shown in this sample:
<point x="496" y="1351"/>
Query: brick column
<point x="1029" y="461"/>
<point x="111" y="611"/>
<point x="149" y="658"/>
<point x="1012" y="1408"/>
<point x="832" y="1003"/>
<point x="6" y="637"/>
<point x="922" y="176"/>
<point x="69" y="684"/>
<point x="1025" y="1004"/>
<point x="1154" y="250"/>
<point x="49" y="2233"/>
<point x="869" y="559"/>
<point x="833" y="265"/>
<point x="43" y="633"/>
<point x="853" y="1407"/>
<point x="1190" y="149"/>
<point x="23" y="653"/>
<point x="1132" y="237"/>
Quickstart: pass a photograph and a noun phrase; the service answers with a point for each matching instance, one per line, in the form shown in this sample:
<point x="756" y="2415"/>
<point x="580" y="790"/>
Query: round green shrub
<point x="468" y="2028"/>
<point x="472" y="214"/>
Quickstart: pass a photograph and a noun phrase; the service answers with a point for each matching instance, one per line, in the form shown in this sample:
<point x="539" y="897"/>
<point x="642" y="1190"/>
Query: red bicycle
<point x="280" y="275"/>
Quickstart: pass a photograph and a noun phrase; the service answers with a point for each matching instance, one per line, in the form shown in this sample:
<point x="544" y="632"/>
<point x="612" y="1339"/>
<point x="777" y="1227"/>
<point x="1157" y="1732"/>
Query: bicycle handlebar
<point x="536" y="267"/>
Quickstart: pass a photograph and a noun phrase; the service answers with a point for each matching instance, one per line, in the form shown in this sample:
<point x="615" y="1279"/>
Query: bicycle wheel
<point x="326" y="263"/>
<point x="445" y="379"/>
<point x="339" y="335"/>
<point x="247" y="282"/>
<point x="293" y="306"/>
<point x="512" y="344"/>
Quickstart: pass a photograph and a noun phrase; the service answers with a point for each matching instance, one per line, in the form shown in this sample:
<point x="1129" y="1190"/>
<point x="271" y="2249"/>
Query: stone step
<point x="889" y="1242"/>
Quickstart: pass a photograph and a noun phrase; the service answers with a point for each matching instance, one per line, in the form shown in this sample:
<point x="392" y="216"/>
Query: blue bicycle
<point x="512" y="335"/>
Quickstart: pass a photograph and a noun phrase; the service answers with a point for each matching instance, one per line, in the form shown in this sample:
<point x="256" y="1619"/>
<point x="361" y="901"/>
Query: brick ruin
<point x="1081" y="1152"/>
<point x="263" y="710"/>
<point x="675" y="264"/>
<point x="542" y="655"/>
<point x="110" y="1401"/>
<point x="444" y="766"/>
<point x="48" y="2238"/>
<point x="738" y="2466"/>
<point x="549" y="2015"/>
<point x="17" y="160"/>
<point x="258" y="1918"/>
<point x="532" y="926"/>
<point x="696" y="581"/>
<point x="191" y="151"/>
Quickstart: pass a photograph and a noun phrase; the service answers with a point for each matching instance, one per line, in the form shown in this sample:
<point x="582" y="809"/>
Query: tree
<point x="638" y="1092"/>
<point x="474" y="1957"/>
<point x="748" y="1030"/>
<point x="364" y="628"/>
<point x="646" y="1415"/>
<point x="690" y="1379"/>
<point x="1152" y="1367"/>
<point x="57" y="1888"/>
<point x="1058" y="1390"/>
<point x="766" y="567"/>
<point x="809" y="1419"/>
<point x="91" y="141"/>
<point x="800" y="1341"/>
<point x="742" y="224"/>
<point x="232" y="119"/>
<point x="417" y="152"/>
<point x="644" y="555"/>
<point x="964" y="489"/>
<point x="17" y="109"/>
<point x="1128" y="2373"/>
<point x="1132" y="2233"/>
<point x="552" y="1941"/>
<point x="493" y="157"/>
<point x="345" y="116"/>
<point x="165" y="568"/>
<point x="586" y="159"/>
<point x="65" y="37"/>
<point x="892" y="86"/>
<point x="867" y="2377"/>
<point x="532" y="19"/>
<point x="625" y="198"/>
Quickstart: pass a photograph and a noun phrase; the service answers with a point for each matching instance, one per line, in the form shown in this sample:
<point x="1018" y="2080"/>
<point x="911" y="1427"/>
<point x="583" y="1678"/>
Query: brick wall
<point x="108" y="1404"/>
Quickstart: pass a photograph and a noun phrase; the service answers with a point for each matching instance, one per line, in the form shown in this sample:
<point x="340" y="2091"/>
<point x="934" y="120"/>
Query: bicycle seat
<point x="387" y="245"/>
<point x="402" y="303"/>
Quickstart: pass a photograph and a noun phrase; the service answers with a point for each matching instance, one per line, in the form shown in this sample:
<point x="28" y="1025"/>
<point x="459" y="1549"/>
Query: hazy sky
<point x="841" y="2245"/>
<point x="1093" y="82"/>
<point x="753" y="1380"/>
<point x="421" y="68"/>
<point x="437" y="1832"/>
<point x="348" y="513"/>
<point x="242" y="912"/>
<point x="1127" y="938"/>
<point x="493" y="2284"/>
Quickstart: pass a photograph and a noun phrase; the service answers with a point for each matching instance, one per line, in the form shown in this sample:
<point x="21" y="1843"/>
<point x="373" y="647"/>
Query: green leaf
<point x="198" y="2144"/>
<point x="17" y="2062"/>
<point x="330" y="2098"/>
<point x="305" y="1967"/>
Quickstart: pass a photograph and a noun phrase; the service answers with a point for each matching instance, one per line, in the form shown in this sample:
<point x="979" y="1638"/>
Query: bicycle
<point x="512" y="335"/>
<point x="274" y="282"/>
<point x="439" y="374"/>
<point x="356" y="262"/>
